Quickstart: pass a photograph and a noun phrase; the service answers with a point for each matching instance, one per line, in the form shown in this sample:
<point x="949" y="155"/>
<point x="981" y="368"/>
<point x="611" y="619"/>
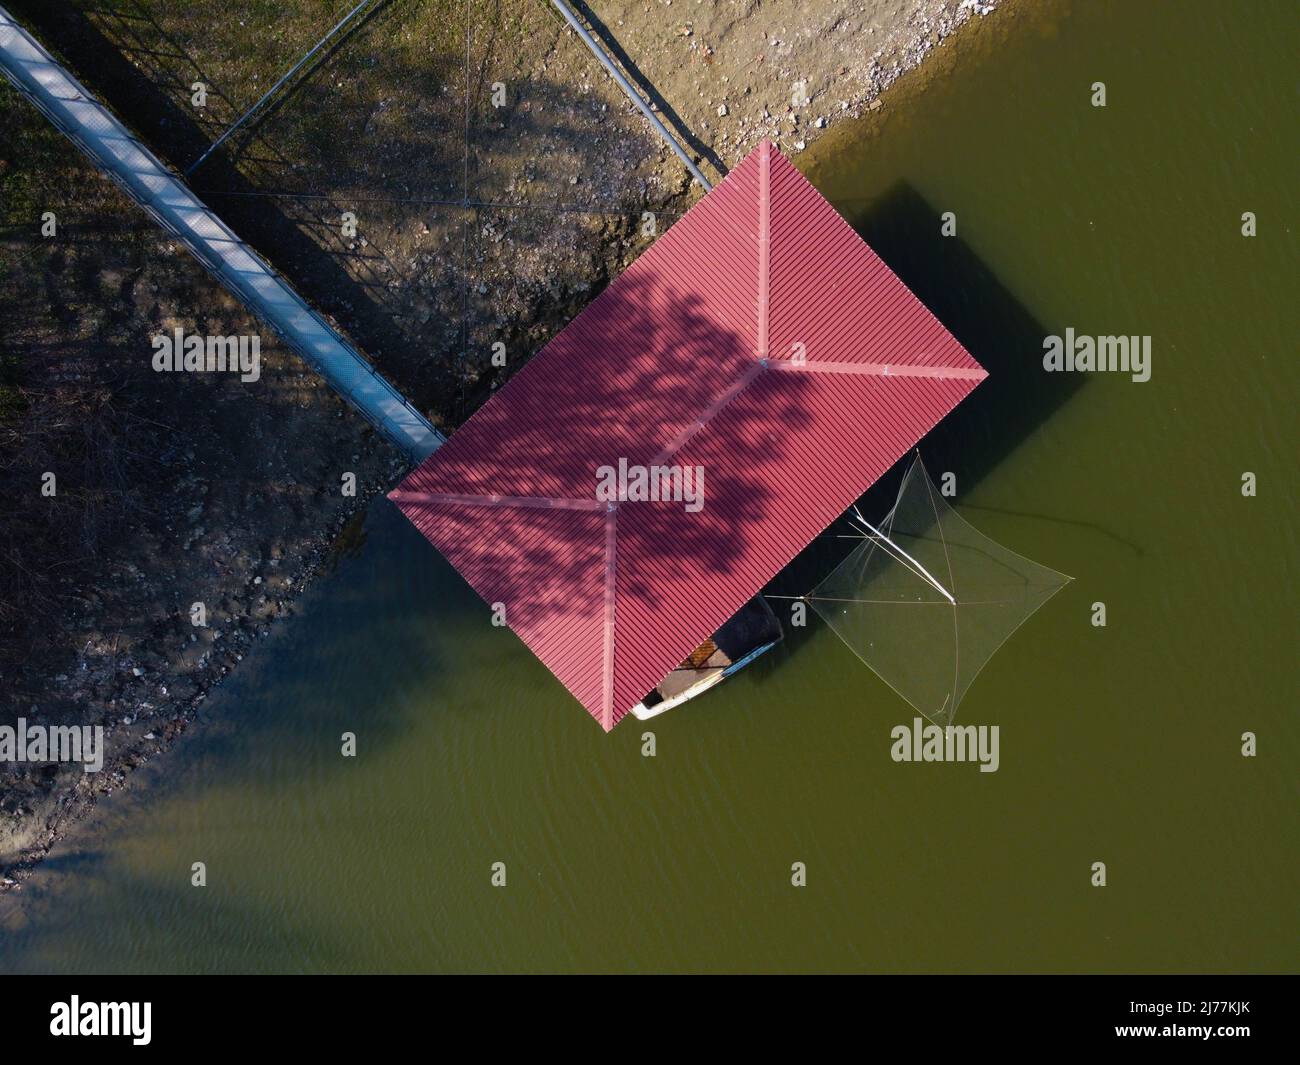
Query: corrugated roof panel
<point x="859" y="311"/>
<point x="546" y="566"/>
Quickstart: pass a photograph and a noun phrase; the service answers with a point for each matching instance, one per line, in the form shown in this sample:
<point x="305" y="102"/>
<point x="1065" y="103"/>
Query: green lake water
<point x="1119" y="744"/>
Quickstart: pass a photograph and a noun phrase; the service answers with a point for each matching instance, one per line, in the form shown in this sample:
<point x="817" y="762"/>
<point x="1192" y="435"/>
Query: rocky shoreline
<point x="735" y="73"/>
<point x="248" y="538"/>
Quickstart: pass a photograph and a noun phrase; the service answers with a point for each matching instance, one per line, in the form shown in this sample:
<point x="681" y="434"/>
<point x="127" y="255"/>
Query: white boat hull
<point x="644" y="713"/>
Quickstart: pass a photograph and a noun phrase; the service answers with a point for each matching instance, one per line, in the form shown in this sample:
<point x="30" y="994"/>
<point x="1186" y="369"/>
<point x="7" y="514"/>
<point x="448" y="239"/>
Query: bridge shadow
<point x="135" y="33"/>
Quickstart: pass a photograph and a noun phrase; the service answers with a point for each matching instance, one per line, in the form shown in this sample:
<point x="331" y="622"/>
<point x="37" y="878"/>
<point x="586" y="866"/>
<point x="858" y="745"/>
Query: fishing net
<point x="926" y="599"/>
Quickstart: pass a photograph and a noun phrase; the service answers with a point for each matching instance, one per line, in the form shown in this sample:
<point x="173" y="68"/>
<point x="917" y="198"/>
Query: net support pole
<point x="921" y="570"/>
<point x="631" y="93"/>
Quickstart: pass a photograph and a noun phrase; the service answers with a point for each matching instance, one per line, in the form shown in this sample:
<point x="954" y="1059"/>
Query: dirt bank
<point x="498" y="178"/>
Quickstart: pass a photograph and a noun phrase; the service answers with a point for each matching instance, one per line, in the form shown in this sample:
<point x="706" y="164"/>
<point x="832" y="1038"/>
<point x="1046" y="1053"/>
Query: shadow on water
<point x="1009" y="405"/>
<point x="240" y="935"/>
<point x="949" y="278"/>
<point x="344" y="668"/>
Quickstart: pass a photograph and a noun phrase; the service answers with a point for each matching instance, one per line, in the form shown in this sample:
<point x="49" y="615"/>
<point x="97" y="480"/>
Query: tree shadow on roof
<point x="631" y="379"/>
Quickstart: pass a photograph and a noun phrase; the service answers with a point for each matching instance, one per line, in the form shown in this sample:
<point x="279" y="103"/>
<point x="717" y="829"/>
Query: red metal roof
<point x="690" y="358"/>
